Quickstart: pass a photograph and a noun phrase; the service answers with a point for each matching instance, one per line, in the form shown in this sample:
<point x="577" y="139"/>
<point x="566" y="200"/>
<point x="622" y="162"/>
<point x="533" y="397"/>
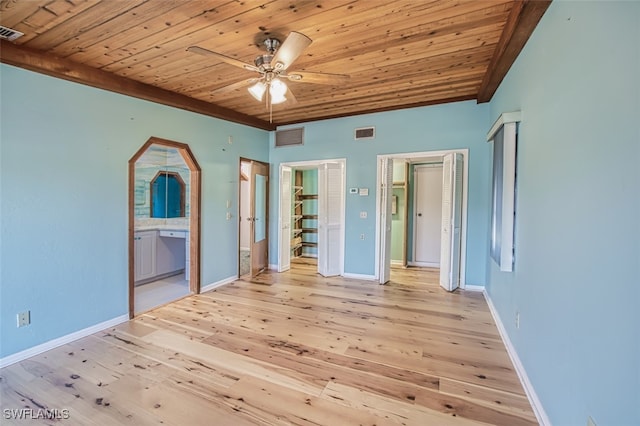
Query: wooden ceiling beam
<point x="376" y="110"/>
<point x="522" y="20"/>
<point x="62" y="68"/>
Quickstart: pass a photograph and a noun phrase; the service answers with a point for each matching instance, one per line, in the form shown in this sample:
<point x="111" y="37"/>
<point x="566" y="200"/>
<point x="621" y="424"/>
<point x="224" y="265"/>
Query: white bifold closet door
<point x="386" y="189"/>
<point x="330" y="218"/>
<point x="285" y="219"/>
<point x="452" y="170"/>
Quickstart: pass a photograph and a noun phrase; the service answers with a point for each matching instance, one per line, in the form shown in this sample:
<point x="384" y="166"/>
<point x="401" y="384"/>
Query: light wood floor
<point x="291" y="348"/>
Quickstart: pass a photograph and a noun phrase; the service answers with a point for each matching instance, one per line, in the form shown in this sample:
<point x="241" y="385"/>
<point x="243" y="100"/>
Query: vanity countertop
<point x="161" y="228"/>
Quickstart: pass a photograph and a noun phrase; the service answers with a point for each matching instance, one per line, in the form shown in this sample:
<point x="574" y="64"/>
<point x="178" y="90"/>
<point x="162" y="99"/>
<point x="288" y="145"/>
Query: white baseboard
<point x="51" y="344"/>
<point x="472" y="287"/>
<point x="424" y="264"/>
<point x="538" y="409"/>
<point x="360" y="276"/>
<point x="217" y="284"/>
<point x="273" y="267"/>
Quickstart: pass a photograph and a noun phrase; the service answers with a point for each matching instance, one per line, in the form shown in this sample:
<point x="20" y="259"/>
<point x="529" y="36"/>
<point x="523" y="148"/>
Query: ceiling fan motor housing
<point x="272" y="45"/>
<point x="263" y="62"/>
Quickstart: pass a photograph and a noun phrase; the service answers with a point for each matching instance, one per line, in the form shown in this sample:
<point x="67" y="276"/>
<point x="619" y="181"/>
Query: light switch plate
<point x="363" y="215"/>
<point x="24" y="318"/>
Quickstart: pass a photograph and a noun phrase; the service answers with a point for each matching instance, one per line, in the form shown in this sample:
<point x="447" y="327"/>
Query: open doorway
<point x="164" y="225"/>
<point x="253" y="223"/>
<point x="311" y="215"/>
<point x="421" y="214"/>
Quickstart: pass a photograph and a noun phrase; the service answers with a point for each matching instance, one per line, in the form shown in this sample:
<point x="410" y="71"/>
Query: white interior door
<point x="386" y="189"/>
<point x="330" y="218"/>
<point x="427" y="215"/>
<point x="453" y="167"/>
<point x="285" y="219"/>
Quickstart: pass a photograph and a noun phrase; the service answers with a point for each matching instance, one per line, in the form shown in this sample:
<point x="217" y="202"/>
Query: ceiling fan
<point x="272" y="68"/>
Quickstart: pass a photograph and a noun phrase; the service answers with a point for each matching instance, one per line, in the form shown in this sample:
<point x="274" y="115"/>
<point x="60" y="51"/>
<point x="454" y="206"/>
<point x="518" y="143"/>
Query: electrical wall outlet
<point x="517" y="319"/>
<point x="362" y="236"/>
<point x="24" y="318"/>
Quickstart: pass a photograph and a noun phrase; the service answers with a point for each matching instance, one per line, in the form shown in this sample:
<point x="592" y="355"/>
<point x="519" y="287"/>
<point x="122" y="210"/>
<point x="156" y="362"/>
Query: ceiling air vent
<point x="365" y="133"/>
<point x="9" y="34"/>
<point x="290" y="137"/>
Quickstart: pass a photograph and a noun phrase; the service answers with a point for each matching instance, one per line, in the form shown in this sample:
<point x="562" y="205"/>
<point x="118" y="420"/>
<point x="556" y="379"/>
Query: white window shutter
<point x="330" y="212"/>
<point x="445" y="235"/>
<point x="386" y="189"/>
<point x="285" y="219"/>
<point x="450" y="243"/>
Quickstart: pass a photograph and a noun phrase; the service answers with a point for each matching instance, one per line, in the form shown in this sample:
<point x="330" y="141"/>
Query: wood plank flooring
<point x="286" y="349"/>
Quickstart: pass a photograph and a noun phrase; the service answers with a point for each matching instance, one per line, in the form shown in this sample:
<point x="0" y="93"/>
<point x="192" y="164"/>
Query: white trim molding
<point x="536" y="404"/>
<point x="217" y="284"/>
<point x="360" y="276"/>
<point x="52" y="344"/>
<point x="505" y="117"/>
<point x="473" y="287"/>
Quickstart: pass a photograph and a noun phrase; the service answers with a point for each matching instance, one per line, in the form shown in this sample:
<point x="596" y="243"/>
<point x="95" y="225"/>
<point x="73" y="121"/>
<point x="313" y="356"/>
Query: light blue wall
<point x="64" y="161"/>
<point x="451" y="126"/>
<point x="577" y="275"/>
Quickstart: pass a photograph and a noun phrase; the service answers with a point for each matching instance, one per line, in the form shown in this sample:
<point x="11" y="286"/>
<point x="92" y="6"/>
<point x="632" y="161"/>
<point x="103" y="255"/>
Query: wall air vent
<point x="9" y="34"/>
<point x="365" y="133"/>
<point x="290" y="137"/>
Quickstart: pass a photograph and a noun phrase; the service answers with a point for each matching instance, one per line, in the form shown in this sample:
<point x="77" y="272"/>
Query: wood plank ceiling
<point x="398" y="54"/>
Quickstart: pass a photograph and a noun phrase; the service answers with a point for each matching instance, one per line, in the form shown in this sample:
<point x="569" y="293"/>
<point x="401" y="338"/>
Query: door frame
<point x="251" y="193"/>
<point x="194" y="213"/>
<point x="312" y="165"/>
<point x="415" y="157"/>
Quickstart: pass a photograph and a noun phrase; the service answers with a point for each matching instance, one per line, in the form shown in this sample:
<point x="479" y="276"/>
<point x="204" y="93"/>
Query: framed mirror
<point x="167" y="191"/>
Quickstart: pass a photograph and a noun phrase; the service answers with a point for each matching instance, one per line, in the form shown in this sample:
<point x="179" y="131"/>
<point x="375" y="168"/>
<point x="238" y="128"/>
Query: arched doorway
<point x="151" y="236"/>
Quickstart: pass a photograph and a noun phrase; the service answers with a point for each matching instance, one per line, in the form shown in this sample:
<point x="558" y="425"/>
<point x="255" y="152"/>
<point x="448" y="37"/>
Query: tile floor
<point x="157" y="293"/>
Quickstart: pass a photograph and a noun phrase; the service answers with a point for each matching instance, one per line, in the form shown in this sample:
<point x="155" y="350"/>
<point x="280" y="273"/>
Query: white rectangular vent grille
<point x="9" y="34"/>
<point x="365" y="133"/>
<point x="290" y="137"/>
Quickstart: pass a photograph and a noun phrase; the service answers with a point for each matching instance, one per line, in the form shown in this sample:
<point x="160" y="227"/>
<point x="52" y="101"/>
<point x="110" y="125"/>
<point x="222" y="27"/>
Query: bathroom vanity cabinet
<point x="159" y="253"/>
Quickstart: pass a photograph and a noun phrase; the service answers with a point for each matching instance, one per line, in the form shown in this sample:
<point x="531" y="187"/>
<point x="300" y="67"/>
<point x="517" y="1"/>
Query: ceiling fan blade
<point x="234" y="86"/>
<point x="223" y="58"/>
<point x="318" y="77"/>
<point x="290" y="49"/>
<point x="291" y="99"/>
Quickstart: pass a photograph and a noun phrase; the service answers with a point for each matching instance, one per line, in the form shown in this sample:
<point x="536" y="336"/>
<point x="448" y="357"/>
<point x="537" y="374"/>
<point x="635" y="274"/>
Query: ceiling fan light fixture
<point x="277" y="99"/>
<point x="277" y="88"/>
<point x="257" y="90"/>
